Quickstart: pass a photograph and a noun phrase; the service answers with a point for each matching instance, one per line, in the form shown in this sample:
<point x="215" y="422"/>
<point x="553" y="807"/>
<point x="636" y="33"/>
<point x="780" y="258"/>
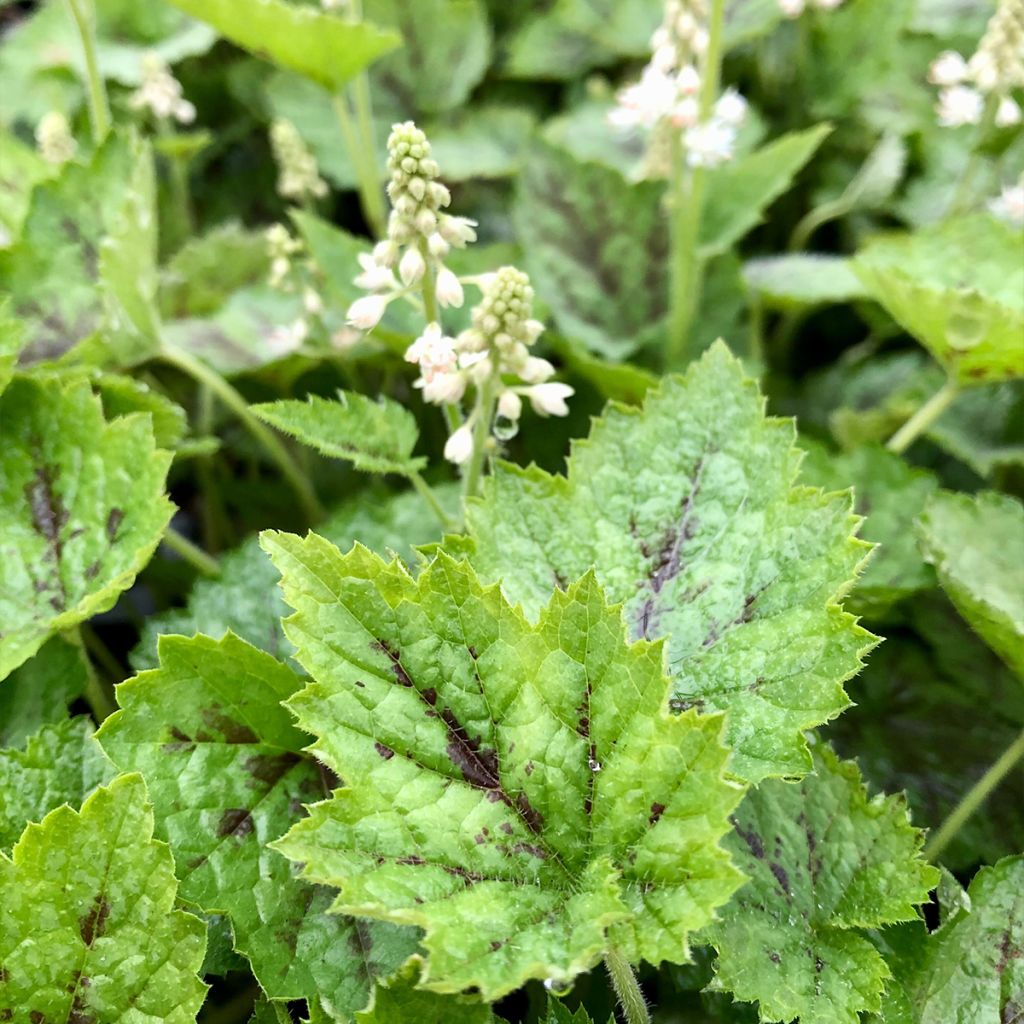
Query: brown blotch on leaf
<point x="384" y="750"/>
<point x="750" y="837"/>
<point x="401" y="676"/>
<point x="114" y="520"/>
<point x="774" y="957"/>
<point x="269" y="769"/>
<point x="657" y="810"/>
<point x="232" y="731"/>
<point x="496" y="945"/>
<point x="780" y="876"/>
<point x="93" y="924"/>
<point x="37" y="1017"/>
<point x="236" y="821"/>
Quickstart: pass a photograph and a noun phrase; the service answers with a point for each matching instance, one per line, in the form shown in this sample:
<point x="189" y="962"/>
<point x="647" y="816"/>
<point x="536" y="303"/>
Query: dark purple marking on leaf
<point x="181" y="742"/>
<point x="657" y="810"/>
<point x="6" y="1013"/>
<point x="197" y="862"/>
<point x="114" y="520"/>
<point x="529" y="768"/>
<point x="93" y="924"/>
<point x="506" y="828"/>
<point x="813" y="860"/>
<point x="235" y="821"/>
<point x="469" y="877"/>
<point x="1013" y="1012"/>
<point x="750" y="837"/>
<point x="401" y="676"/>
<point x="472" y="652"/>
<point x="232" y="731"/>
<point x="412" y="859"/>
<point x="385" y="751"/>
<point x="360" y="942"/>
<point x="774" y="957"/>
<point x="430" y="695"/>
<point x="37" y="1017"/>
<point x="530" y="848"/>
<point x="496" y="945"/>
<point x="49" y="515"/>
<point x="269" y="769"/>
<point x="780" y="876"/>
<point x="561" y="583"/>
<point x="819" y="964"/>
<point x="93" y="570"/>
<point x="1007" y="952"/>
<point x="678" y="705"/>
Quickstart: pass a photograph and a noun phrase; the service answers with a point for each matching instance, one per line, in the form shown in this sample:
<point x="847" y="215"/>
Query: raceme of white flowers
<point x="966" y="86"/>
<point x="53" y="137"/>
<point x="666" y="100"/>
<point x="160" y="92"/>
<point x="1009" y="204"/>
<point x="290" y="274"/>
<point x="794" y="8"/>
<point x="298" y="175"/>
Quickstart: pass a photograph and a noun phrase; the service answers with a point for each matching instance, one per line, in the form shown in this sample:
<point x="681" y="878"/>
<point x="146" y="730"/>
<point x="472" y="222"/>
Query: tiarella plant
<point x="450" y="515"/>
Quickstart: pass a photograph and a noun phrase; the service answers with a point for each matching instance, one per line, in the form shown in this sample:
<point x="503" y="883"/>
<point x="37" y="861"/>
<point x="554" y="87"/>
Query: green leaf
<point x="879" y="176"/>
<point x="825" y="862"/>
<point x="399" y="1001"/>
<point x="122" y="395"/>
<point x="740" y="191"/>
<point x="485" y="141"/>
<point x="12" y="341"/>
<point x="39" y="691"/>
<point x="582" y="226"/>
<point x="559" y="1013"/>
<point x="88" y="930"/>
<point x="23" y="169"/>
<point x="60" y="764"/>
<point x="328" y="49"/>
<point x="958" y="288"/>
<point x="245" y="599"/>
<point x="520" y="792"/>
<point x="446" y="51"/>
<point x="803" y="279"/>
<point x="224" y="767"/>
<point x="687" y="512"/>
<point x="977" y="547"/>
<point x="375" y="436"/>
<point x="972" y="968"/>
<point x="890" y="494"/>
<point x="82" y="507"/>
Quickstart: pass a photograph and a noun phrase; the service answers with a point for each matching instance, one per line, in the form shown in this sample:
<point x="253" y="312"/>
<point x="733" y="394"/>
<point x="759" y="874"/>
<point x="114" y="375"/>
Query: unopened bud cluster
<point x="292" y="272"/>
<point x="53" y="137"/>
<point x="298" y="176"/>
<point x="666" y="100"/>
<point x="161" y="93"/>
<point x="420" y="235"/>
<point x="794" y="8"/>
<point x="995" y="69"/>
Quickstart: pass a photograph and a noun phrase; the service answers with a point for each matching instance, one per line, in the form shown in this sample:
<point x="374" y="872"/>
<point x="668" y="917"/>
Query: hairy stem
<point x="974" y="798"/>
<point x="84" y="17"/>
<point x="627" y="989"/>
<point x="269" y="441"/>
<point x="189" y="552"/>
<point x="923" y="418"/>
<point x="428" y="495"/>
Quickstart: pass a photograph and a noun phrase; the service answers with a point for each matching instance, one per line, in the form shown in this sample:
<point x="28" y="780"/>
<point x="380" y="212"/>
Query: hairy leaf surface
<point x="38" y="692"/>
<point x="825" y="862"/>
<point x="519" y="791"/>
<point x="89" y="932"/>
<point x="687" y="512"/>
<point x="400" y="1001"/>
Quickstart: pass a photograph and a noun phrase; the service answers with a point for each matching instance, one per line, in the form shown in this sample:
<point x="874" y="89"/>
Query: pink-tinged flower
<point x="549" y="399"/>
<point x="443" y="388"/>
<point x="646" y="102"/>
<point x="1009" y="204"/>
<point x="688" y="80"/>
<point x="460" y="445"/>
<point x="710" y="144"/>
<point x="449" y="288"/>
<point x="949" y="68"/>
<point x="433" y="352"/>
<point x="959" y="105"/>
<point x="366" y="313"/>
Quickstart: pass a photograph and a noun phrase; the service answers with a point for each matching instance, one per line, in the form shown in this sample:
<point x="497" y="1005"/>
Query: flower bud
<point x="549" y="399"/>
<point x="412" y="267"/>
<point x="460" y="445"/>
<point x="449" y="288"/>
<point x="510" y="405"/>
<point x="366" y="312"/>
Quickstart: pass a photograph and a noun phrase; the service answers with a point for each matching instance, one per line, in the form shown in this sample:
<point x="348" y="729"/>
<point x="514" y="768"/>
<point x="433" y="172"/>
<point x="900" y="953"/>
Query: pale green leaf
<point x="803" y="279"/>
<point x="122" y="395"/>
<point x="519" y="791"/>
<point x="878" y="177"/>
<point x="399" y="1001"/>
<point x="582" y="227"/>
<point x="825" y="862"/>
<point x="958" y="288"/>
<point x="23" y="169"/>
<point x="688" y="513"/>
<point x="88" y="930"/>
<point x="972" y="969"/>
<point x="82" y="507"/>
<point x="245" y="599"/>
<point x="375" y="436"/>
<point x="12" y="341"/>
<point x="483" y="141"/>
<point x="977" y="547"/>
<point x="890" y="495"/>
<point x="225" y="770"/>
<point x="328" y="49"/>
<point x="740" y="191"/>
<point x="60" y="764"/>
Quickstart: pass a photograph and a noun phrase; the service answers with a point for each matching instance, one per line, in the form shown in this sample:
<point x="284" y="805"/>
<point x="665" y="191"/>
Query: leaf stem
<point x="814" y="219"/>
<point x="366" y="178"/>
<point x="276" y="451"/>
<point x="923" y="418"/>
<point x="627" y="989"/>
<point x="974" y="798"/>
<point x="99" y="107"/>
<point x="427" y="493"/>
<point x="481" y="431"/>
<point x="96" y="696"/>
<point x="430" y="310"/>
<point x="189" y="552"/>
<point x="99" y="650"/>
<point x="962" y="195"/>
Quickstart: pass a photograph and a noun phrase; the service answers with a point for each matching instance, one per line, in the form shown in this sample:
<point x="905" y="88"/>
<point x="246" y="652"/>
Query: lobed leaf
<point x="519" y="791"/>
<point x="803" y="279"/>
<point x="399" y="1001"/>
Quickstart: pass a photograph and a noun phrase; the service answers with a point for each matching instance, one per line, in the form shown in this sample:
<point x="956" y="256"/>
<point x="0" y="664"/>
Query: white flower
<point x="709" y="144"/>
<point x="443" y="388"/>
<point x="366" y="313"/>
<point x="412" y="266"/>
<point x="534" y="329"/>
<point x="160" y="91"/>
<point x="536" y="370"/>
<point x="687" y="112"/>
<point x="827" y="5"/>
<point x="1009" y="204"/>
<point x="731" y="107"/>
<point x="460" y="445"/>
<point x="646" y="102"/>
<point x="984" y="70"/>
<point x="664" y="57"/>
<point x="959" y="105"/>
<point x="53" y="136"/>
<point x="434" y="352"/>
<point x="449" y="289"/>
<point x="949" y="68"/>
<point x="688" y="80"/>
<point x="374" y="277"/>
<point x="437" y="246"/>
<point x="791" y="8"/>
<point x="457" y="231"/>
<point x="345" y="338"/>
<point x="510" y="405"/>
<point x="549" y="399"/>
<point x="385" y="253"/>
<point x="1008" y="112"/>
<point x="312" y="301"/>
<point x="284" y="340"/>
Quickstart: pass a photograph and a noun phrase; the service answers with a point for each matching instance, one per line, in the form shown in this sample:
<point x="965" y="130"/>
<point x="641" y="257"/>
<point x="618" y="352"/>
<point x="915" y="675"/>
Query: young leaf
<point x="972" y="968"/>
<point x="803" y="279"/>
<point x="328" y="49"/>
<point x="61" y="763"/>
<point x="977" y="547"/>
<point x="224" y="766"/>
<point x="959" y="289"/>
<point x="582" y="227"/>
<point x="88" y="930"/>
<point x="687" y="512"/>
<point x="890" y="494"/>
<point x="399" y="1001"/>
<point x="82" y="507"/>
<point x="740" y="191"/>
<point x="375" y="436"/>
<point x="824" y="863"/>
<point x="519" y="791"/>
<point x="12" y="341"/>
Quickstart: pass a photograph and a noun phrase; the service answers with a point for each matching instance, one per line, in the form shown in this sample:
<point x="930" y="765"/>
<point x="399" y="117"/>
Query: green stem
<point x="923" y="418"/>
<point x="374" y="192"/>
<point x="96" y="695"/>
<point x="189" y="552"/>
<point x="481" y="430"/>
<point x="814" y="219"/>
<point x="962" y="195"/>
<point x="627" y="989"/>
<point x="178" y="182"/>
<point x="283" y="1016"/>
<point x="269" y="441"/>
<point x="428" y="495"/>
<point x="99" y="107"/>
<point x="974" y="798"/>
<point x="430" y="309"/>
<point x="99" y="650"/>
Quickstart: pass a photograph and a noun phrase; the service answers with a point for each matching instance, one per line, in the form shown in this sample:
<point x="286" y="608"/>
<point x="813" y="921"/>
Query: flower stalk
<point x="627" y="988"/>
<point x="925" y="416"/>
<point x="84" y="14"/>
